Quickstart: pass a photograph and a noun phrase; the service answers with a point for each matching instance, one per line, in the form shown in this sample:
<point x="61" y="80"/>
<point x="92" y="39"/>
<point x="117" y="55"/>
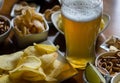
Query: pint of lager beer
<point x="81" y="21"/>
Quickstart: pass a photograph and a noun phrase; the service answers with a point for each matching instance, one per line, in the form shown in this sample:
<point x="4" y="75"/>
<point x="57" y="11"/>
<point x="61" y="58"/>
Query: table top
<point x="111" y="7"/>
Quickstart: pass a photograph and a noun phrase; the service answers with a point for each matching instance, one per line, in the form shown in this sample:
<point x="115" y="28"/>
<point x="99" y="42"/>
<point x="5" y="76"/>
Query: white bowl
<point x="5" y="35"/>
<point x="116" y="78"/>
<point x="23" y="41"/>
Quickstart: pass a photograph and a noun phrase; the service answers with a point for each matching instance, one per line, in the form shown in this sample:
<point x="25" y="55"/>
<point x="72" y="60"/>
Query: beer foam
<point x="81" y="10"/>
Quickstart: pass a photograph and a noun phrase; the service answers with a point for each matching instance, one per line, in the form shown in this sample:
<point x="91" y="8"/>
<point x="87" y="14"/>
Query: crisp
<point x="35" y="64"/>
<point x="30" y="22"/>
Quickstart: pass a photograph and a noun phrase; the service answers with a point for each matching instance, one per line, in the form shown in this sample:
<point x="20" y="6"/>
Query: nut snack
<point x="5" y="27"/>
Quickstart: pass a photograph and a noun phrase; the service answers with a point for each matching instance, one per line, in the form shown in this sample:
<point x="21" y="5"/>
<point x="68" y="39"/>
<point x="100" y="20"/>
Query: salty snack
<point x="114" y="42"/>
<point x="9" y="62"/>
<point x="4" y="25"/>
<point x="109" y="62"/>
<point x="30" y="22"/>
<point x="55" y="8"/>
<point x="49" y="12"/>
<point x="45" y="49"/>
<point x="22" y="6"/>
<point x="25" y="67"/>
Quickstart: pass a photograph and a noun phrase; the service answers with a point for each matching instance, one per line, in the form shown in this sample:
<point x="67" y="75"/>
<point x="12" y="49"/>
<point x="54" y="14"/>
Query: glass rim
<point x="69" y="6"/>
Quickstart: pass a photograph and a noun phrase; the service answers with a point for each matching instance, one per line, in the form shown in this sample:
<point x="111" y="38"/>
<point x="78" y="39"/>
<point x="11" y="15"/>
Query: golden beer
<point x="81" y="31"/>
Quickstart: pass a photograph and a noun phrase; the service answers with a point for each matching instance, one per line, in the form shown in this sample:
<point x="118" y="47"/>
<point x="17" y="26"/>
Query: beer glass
<point x="81" y="22"/>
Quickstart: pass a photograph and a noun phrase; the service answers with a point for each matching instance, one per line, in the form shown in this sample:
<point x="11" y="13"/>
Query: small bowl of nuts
<point x="30" y="27"/>
<point x="108" y="63"/>
<point x="5" y="28"/>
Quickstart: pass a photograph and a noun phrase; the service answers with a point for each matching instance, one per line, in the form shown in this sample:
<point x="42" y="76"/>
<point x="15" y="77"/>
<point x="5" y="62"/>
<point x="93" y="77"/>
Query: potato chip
<point x="58" y="68"/>
<point x="45" y="49"/>
<point x="9" y="62"/>
<point x="35" y="64"/>
<point x="54" y="71"/>
<point x="5" y="79"/>
<point x="31" y="51"/>
<point x="48" y="59"/>
<point x="50" y="79"/>
<point x="16" y="73"/>
<point x="34" y="75"/>
<point x="30" y="62"/>
<point x="27" y="74"/>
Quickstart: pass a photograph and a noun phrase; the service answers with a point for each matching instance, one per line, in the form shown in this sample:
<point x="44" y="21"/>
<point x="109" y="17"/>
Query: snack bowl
<point x="30" y="38"/>
<point x="5" y="27"/>
<point x="116" y="78"/>
<point x="111" y="44"/>
<point x="108" y="63"/>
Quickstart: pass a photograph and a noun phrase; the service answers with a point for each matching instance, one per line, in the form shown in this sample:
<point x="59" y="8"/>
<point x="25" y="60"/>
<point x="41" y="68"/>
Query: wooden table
<point x="111" y="7"/>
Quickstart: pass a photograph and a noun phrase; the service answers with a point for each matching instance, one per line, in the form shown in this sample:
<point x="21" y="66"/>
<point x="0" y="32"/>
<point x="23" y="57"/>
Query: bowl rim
<point x="114" y="77"/>
<point x="4" y="17"/>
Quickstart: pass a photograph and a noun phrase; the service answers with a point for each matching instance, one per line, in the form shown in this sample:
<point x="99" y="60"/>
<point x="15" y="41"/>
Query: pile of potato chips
<point x="35" y="64"/>
<point x="30" y="22"/>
